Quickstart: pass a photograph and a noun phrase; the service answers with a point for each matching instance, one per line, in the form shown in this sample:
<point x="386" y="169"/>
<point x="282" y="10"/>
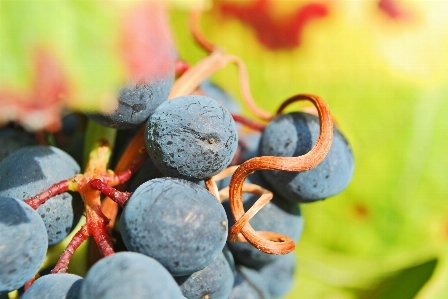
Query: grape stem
<point x="90" y="184"/>
<point x="248" y="122"/>
<point x="45" y="195"/>
<point x="119" y="197"/>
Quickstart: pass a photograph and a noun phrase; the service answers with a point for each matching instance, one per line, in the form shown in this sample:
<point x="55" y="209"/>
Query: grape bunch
<point x="202" y="202"/>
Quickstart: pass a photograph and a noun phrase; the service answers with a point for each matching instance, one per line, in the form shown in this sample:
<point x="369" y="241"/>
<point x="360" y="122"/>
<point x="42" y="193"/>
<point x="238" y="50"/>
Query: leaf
<point x="92" y="48"/>
<point x="405" y="284"/>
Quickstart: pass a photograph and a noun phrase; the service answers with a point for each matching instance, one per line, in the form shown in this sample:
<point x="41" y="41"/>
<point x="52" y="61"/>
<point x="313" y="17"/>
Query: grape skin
<point x="215" y="92"/>
<point x="280" y="275"/>
<point x="215" y="281"/>
<point x="175" y="221"/>
<point x="32" y="169"/>
<point x="55" y="286"/>
<point x="135" y="103"/>
<point x="191" y="137"/>
<point x="129" y="275"/>
<point x="23" y="243"/>
<point x="249" y="284"/>
<point x="11" y="140"/>
<point x="294" y="134"/>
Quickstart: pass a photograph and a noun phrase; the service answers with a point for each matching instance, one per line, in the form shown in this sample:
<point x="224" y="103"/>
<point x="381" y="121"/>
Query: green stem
<point x="94" y="133"/>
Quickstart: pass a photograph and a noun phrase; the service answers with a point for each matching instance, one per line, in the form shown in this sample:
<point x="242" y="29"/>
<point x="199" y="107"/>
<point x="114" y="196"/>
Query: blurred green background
<point x="382" y="66"/>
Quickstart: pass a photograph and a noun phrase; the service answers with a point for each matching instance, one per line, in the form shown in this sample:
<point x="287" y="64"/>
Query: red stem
<point x="102" y="238"/>
<point x="119" y="197"/>
<point x="76" y="241"/>
<point x="248" y="122"/>
<point x="125" y="175"/>
<point x="45" y="195"/>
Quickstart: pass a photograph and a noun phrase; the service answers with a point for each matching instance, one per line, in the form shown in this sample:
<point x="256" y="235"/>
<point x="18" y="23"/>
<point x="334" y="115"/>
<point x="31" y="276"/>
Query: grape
<point x="11" y="140"/>
<point x="191" y="137"/>
<point x="135" y="103"/>
<point x="214" y="281"/>
<point x="215" y="92"/>
<point x="249" y="284"/>
<point x="129" y="275"/>
<point x="280" y="275"/>
<point x="294" y="134"/>
<point x="175" y="221"/>
<point x="277" y="216"/>
<point x="249" y="143"/>
<point x="23" y="243"/>
<point x="71" y="137"/>
<point x="55" y="286"/>
<point x="32" y="169"/>
<point x="146" y="172"/>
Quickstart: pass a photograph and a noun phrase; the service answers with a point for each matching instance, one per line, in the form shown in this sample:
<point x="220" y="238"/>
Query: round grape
<point x="129" y="275"/>
<point x="294" y="134"/>
<point x="191" y="137"/>
<point x="177" y="222"/>
<point x="23" y="243"/>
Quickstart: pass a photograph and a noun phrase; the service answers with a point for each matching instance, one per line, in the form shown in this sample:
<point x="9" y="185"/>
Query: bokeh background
<point x="381" y="65"/>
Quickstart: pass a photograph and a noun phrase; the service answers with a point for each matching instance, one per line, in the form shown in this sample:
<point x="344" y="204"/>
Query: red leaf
<point x="147" y="46"/>
<point x="274" y="33"/>
<point x="40" y="107"/>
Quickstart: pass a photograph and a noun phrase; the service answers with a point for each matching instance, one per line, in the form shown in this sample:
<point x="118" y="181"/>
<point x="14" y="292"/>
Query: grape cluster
<point x="209" y="208"/>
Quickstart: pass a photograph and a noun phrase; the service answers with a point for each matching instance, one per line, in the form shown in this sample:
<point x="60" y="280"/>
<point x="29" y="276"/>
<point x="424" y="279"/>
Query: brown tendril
<point x="194" y="21"/>
<point x="211" y="186"/>
<point x="271" y="242"/>
<point x="217" y="60"/>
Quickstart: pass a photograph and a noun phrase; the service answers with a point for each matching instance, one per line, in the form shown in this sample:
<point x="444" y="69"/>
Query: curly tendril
<point x="271" y="242"/>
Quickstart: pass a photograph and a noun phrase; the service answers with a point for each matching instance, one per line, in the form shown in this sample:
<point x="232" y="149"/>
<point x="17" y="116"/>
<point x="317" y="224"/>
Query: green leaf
<point x="405" y="284"/>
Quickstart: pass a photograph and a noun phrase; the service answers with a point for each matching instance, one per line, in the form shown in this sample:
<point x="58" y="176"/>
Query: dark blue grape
<point x="214" y="281"/>
<point x="249" y="284"/>
<point x="55" y="286"/>
<point x="11" y="140"/>
<point x="294" y="134"/>
<point x="175" y="221"/>
<point x="129" y="275"/>
<point x="71" y="137"/>
<point x="191" y="137"/>
<point x="277" y="216"/>
<point x="33" y="169"/>
<point x="215" y="92"/>
<point x="23" y="243"/>
<point x="249" y="143"/>
<point x="135" y="103"/>
<point x="279" y="275"/>
<point x="146" y="172"/>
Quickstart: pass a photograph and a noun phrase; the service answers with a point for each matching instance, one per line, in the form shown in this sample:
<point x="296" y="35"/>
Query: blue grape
<point x="249" y="284"/>
<point x="191" y="137"/>
<point x="135" y="103"/>
<point x="215" y="92"/>
<point x="129" y="275"/>
<point x="146" y="172"/>
<point x="249" y="144"/>
<point x="277" y="216"/>
<point x="71" y="137"/>
<point x="23" y="243"/>
<point x="295" y="134"/>
<point x="175" y="221"/>
<point x="215" y="281"/>
<point x="11" y="140"/>
<point x="31" y="170"/>
<point x="279" y="275"/>
<point x="55" y="286"/>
